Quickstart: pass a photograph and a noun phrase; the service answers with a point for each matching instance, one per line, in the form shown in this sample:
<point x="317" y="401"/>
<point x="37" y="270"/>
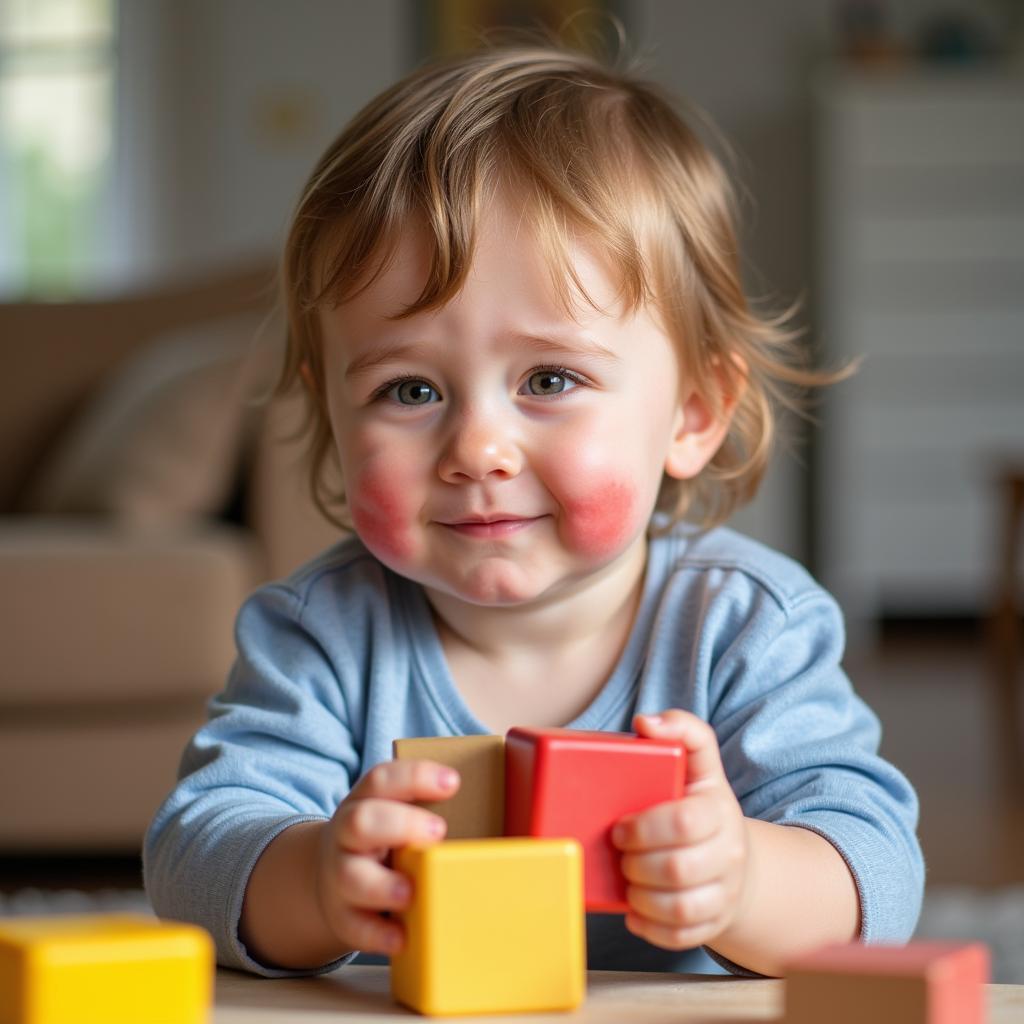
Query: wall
<point x="227" y="104"/>
<point x="745" y="64"/>
<point x="225" y="108"/>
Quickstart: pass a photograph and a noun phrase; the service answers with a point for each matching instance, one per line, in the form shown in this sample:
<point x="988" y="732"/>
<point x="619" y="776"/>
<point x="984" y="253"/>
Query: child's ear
<point x="700" y="429"/>
<point x="307" y="376"/>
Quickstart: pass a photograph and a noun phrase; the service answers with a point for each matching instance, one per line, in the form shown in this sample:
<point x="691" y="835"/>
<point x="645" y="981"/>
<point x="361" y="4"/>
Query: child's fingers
<point x="703" y="759"/>
<point x="694" y="819"/>
<point x="689" y="908"/>
<point x="673" y="868"/>
<point x="370" y="933"/>
<point x="369" y="885"/>
<point x="671" y="937"/>
<point x="365" y="826"/>
<point x="407" y="780"/>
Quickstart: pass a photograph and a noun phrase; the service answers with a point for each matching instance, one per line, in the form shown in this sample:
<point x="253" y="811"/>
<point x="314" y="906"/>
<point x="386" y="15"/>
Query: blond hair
<point x="590" y="150"/>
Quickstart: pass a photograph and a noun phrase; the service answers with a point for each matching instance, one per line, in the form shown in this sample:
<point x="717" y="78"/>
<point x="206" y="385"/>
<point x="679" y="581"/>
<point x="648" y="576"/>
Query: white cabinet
<point x="920" y="271"/>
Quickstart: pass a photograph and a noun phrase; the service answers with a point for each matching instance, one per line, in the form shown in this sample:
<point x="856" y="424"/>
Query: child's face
<point x="496" y="449"/>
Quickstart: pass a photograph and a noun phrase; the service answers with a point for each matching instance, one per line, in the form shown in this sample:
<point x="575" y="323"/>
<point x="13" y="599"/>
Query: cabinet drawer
<point x="975" y="285"/>
<point x="980" y="385"/>
<point x="907" y="193"/>
<point x="925" y="334"/>
<point x="985" y="432"/>
<point x="938" y="552"/>
<point x="959" y="120"/>
<point x="942" y="239"/>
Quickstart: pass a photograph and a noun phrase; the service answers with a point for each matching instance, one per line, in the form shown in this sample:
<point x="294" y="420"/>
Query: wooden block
<point x="495" y="926"/>
<point x="104" y="969"/>
<point x="477" y="810"/>
<point x="920" y="983"/>
<point x="563" y="782"/>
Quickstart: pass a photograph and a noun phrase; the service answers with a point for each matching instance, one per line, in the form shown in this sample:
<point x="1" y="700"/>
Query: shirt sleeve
<point x="276" y="751"/>
<point x="800" y="748"/>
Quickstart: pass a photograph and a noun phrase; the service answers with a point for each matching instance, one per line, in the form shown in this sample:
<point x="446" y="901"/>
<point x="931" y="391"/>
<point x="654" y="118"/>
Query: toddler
<point x="514" y="306"/>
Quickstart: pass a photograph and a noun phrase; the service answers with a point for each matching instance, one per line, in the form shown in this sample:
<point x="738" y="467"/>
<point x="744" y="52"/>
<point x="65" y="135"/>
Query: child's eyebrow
<point x="557" y="341"/>
<point x="554" y="342"/>
<point x="379" y="355"/>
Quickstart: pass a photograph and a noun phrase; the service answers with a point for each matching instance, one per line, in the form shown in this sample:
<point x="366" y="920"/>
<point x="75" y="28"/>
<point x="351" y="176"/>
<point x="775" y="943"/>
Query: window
<point x="57" y="82"/>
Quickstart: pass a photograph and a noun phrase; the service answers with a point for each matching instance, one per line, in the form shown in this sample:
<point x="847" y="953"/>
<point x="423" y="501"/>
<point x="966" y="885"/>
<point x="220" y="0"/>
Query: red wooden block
<point x="920" y="983"/>
<point x="569" y="783"/>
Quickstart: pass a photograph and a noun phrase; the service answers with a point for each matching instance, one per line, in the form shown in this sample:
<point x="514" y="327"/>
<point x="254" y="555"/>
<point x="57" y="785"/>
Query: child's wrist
<point x="744" y="897"/>
<point x="748" y="875"/>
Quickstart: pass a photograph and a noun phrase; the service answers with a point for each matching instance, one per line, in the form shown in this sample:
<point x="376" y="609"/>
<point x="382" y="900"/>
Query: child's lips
<point x="490" y="527"/>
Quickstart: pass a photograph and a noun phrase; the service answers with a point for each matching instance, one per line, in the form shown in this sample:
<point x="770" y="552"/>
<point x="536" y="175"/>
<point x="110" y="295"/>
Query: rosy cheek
<point x="380" y="516"/>
<point x="601" y="518"/>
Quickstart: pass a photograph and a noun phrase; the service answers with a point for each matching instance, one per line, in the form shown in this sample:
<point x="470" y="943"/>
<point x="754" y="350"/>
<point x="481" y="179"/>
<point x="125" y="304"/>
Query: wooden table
<point x="612" y="998"/>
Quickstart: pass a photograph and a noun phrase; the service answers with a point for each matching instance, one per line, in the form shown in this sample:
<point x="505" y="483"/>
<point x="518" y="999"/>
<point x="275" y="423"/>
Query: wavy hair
<point x="589" y="149"/>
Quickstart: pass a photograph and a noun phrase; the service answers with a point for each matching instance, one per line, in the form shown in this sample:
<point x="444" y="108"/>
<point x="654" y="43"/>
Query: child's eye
<point x="409" y="391"/>
<point x="552" y="380"/>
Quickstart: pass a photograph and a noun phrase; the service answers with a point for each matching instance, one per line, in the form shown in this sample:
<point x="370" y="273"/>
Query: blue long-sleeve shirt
<point x="342" y="658"/>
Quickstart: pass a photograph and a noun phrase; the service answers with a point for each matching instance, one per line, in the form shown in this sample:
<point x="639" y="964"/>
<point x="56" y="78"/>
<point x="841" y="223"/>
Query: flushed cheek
<point x="382" y="515"/>
<point x="602" y="517"/>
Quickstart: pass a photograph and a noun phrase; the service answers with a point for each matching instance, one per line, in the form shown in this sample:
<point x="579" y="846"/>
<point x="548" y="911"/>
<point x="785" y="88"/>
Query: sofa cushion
<point x="100" y="615"/>
<point x="290" y="527"/>
<point x="89" y="785"/>
<point x="159" y="444"/>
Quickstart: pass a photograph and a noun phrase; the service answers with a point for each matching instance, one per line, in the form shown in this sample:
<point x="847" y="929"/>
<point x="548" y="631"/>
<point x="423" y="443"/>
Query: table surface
<point x="611" y="996"/>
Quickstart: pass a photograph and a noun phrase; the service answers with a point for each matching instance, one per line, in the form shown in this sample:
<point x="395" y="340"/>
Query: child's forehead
<point x="511" y="264"/>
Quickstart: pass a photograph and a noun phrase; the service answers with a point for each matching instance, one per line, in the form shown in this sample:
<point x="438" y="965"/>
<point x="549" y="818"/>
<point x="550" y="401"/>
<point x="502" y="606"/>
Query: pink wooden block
<point x="919" y="983"/>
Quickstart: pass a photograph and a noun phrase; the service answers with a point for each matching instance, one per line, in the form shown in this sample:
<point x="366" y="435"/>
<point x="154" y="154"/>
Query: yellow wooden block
<point x="477" y="810"/>
<point x="495" y="926"/>
<point x="104" y="969"/>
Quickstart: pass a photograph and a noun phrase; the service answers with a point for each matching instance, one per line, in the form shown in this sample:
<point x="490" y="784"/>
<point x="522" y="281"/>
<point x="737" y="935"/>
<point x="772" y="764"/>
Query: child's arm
<point x="319" y="889"/>
<point x="701" y="873"/>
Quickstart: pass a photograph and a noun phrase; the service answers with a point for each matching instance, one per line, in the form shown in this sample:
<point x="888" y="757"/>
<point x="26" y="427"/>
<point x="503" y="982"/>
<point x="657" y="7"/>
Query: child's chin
<point x="494" y="590"/>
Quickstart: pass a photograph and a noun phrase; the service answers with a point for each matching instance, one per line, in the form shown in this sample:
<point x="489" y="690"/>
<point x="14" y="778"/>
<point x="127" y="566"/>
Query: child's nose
<point x="478" y="447"/>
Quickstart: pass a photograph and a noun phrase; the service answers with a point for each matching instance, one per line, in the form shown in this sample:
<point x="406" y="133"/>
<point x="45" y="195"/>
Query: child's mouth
<point x="493" y="528"/>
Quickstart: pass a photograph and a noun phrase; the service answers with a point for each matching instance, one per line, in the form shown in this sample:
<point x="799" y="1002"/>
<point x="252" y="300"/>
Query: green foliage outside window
<point x="57" y="64"/>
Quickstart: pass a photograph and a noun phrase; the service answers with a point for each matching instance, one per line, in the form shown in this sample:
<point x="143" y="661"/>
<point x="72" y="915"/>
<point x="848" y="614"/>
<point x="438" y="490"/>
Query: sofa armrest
<point x="281" y="510"/>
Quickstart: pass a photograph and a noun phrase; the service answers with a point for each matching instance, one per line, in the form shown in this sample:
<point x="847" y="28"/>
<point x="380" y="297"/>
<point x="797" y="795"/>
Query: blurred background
<point x="151" y="152"/>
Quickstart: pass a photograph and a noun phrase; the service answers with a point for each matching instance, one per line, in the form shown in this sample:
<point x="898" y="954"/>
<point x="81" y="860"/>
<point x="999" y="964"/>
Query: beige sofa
<point x="122" y="566"/>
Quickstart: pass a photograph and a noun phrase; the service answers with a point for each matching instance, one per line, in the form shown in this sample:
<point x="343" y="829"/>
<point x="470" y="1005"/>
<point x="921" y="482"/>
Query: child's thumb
<point x="703" y="759"/>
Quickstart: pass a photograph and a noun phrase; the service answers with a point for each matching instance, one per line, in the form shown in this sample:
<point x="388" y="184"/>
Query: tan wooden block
<point x="477" y="810"/>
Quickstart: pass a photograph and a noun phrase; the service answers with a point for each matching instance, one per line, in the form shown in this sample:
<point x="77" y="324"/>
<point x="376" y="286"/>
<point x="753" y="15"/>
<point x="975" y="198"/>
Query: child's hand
<point x="353" y="885"/>
<point x="685" y="861"/>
